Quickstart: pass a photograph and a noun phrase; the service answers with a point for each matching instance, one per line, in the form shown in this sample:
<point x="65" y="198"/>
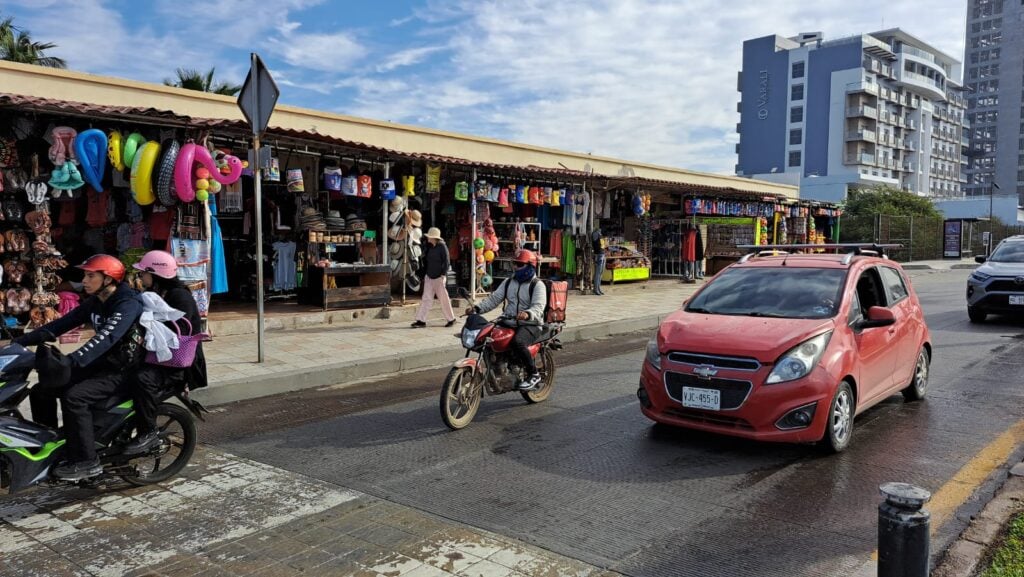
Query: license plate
<point x="702" y="398"/>
<point x="1017" y="299"/>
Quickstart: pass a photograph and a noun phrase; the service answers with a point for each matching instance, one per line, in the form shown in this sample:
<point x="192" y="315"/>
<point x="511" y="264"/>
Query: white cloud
<point x="407" y="57"/>
<point x="325" y="52"/>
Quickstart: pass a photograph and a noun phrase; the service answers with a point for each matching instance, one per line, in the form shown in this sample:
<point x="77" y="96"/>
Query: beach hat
<point x="415" y="235"/>
<point x="397" y="204"/>
<point x="415" y="218"/>
<point x="434" y="233"/>
<point x="395" y="250"/>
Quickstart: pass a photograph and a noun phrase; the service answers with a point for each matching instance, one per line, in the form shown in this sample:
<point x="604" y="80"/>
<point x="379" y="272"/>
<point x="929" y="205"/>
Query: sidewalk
<point x="369" y="347"/>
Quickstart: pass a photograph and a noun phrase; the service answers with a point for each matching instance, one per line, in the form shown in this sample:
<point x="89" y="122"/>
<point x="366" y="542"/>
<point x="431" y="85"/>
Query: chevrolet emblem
<point x="705" y="373"/>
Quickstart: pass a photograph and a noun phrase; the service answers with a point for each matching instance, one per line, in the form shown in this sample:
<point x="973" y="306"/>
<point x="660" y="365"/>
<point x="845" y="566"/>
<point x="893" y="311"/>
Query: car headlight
<point x="980" y="276"/>
<point x="653" y="355"/>
<point x="800" y="360"/>
<point x="469" y="338"/>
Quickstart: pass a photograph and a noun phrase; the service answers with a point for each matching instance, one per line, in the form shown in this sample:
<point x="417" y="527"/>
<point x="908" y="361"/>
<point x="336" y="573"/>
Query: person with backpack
<point x="98" y="368"/>
<point x="158" y="272"/>
<point x="525" y="303"/>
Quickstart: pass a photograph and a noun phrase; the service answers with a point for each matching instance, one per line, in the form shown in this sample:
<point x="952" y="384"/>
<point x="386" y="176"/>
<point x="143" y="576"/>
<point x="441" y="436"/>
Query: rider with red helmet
<point x="158" y="272"/>
<point x="524" y="302"/>
<point x="98" y="367"/>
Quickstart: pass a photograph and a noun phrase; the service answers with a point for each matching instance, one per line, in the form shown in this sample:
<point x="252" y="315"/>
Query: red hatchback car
<point x="789" y="348"/>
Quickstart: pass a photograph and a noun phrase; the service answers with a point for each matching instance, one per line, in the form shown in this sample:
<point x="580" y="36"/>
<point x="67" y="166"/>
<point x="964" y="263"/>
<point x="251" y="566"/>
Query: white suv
<point x="997" y="286"/>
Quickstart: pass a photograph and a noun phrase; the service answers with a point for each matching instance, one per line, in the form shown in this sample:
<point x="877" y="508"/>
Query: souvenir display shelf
<point x="342" y="285"/>
<point x="622" y="254"/>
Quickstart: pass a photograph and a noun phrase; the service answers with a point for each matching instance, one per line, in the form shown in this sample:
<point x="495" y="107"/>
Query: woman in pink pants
<point x="436" y="261"/>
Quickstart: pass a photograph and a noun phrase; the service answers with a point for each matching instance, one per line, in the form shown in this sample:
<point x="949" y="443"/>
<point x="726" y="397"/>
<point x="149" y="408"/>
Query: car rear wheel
<point x="918" y="386"/>
<point x="839" y="429"/>
<point x="976" y="315"/>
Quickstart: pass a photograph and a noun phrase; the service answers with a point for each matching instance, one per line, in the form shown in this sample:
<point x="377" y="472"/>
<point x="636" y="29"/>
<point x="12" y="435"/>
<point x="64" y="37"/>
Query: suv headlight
<point x="800" y="360"/>
<point x="653" y="356"/>
<point x="469" y="338"/>
<point x="980" y="276"/>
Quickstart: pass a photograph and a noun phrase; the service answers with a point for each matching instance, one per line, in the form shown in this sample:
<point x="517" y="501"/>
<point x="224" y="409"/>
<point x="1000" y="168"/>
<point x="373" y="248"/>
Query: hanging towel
<point x="159" y="339"/>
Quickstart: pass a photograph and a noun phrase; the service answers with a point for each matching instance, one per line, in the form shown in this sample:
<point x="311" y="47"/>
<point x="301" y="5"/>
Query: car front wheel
<point x="839" y="429"/>
<point x="976" y="315"/>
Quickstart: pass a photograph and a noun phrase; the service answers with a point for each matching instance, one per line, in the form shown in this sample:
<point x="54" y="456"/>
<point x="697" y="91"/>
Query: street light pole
<point x="991" y="229"/>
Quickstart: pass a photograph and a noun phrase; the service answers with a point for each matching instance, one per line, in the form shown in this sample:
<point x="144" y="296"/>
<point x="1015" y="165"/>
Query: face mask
<point x="524" y="274"/>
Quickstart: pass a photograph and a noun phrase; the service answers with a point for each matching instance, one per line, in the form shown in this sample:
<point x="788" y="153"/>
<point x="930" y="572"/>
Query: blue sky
<point x="643" y="80"/>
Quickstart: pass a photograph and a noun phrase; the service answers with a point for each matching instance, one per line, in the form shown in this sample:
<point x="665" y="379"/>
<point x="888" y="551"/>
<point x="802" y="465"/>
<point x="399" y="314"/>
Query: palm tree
<point x="194" y="80"/>
<point x="16" y="45"/>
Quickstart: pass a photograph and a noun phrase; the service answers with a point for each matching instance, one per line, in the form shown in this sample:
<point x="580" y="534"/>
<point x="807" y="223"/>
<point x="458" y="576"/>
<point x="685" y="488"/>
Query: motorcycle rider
<point x="98" y="367"/>
<point x="524" y="302"/>
<point x="159" y="273"/>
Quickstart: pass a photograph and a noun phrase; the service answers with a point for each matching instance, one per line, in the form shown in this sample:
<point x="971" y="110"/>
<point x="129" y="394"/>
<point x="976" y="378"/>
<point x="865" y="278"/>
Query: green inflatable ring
<point x="132" y="144"/>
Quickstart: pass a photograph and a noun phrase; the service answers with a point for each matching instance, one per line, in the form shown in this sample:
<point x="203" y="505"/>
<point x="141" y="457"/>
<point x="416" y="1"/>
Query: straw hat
<point x="415" y="235"/>
<point x="415" y="218"/>
<point x="397" y="204"/>
<point x="434" y="233"/>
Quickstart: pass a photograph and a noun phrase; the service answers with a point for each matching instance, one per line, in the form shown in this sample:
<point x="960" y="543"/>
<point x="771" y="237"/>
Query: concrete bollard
<point x="903" y="531"/>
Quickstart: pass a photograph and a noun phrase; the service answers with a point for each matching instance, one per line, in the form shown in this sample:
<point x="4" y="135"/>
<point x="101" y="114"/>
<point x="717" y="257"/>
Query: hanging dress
<point x="218" y="266"/>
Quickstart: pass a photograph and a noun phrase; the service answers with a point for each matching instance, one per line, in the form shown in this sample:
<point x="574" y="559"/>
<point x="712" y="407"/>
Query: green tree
<point x="194" y="80"/>
<point x="16" y="45"/>
<point x="889" y="201"/>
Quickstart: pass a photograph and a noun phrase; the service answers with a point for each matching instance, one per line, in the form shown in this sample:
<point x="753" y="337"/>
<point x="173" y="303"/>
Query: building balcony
<point x="911" y="145"/>
<point x="862" y="111"/>
<point x="964" y="141"/>
<point x="865" y="135"/>
<point x="908" y="167"/>
<point x="861" y="158"/>
<point x="964" y="159"/>
<point x="868" y="87"/>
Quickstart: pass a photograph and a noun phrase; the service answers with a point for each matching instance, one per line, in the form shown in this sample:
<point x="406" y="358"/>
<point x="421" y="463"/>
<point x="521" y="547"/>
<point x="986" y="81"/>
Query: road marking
<point x="961" y="486"/>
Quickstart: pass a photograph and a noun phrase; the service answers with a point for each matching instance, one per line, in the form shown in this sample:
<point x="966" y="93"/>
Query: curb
<point x="963" y="557"/>
<point x="350" y="372"/>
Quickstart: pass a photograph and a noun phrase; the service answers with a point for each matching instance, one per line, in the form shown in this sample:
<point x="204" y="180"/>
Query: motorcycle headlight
<point x="980" y="276"/>
<point x="469" y="338"/>
<point x="800" y="360"/>
<point x="653" y="356"/>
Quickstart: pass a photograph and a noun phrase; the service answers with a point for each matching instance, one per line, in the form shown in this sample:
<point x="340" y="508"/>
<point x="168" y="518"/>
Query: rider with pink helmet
<point x="158" y="271"/>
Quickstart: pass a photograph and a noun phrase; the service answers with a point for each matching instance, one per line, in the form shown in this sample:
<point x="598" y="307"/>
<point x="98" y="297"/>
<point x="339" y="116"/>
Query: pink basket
<point x="185" y="354"/>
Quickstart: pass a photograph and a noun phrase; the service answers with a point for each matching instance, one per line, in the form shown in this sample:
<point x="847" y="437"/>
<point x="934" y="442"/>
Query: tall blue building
<point x="879" y="108"/>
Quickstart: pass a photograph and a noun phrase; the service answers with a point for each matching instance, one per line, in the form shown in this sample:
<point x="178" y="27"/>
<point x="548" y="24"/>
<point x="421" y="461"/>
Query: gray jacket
<point x="518" y="300"/>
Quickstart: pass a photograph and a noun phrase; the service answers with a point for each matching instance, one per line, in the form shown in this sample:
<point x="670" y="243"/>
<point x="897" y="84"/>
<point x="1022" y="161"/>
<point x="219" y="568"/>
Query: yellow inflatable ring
<point x="115" y="150"/>
<point x="142" y="173"/>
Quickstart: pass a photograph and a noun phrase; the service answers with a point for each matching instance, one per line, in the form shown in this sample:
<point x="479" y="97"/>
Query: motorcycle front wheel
<point x="178" y="435"/>
<point x="460" y="398"/>
<point x="546" y="367"/>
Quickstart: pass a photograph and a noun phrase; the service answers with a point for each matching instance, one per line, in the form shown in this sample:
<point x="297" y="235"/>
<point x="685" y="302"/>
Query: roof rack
<point x="851" y="249"/>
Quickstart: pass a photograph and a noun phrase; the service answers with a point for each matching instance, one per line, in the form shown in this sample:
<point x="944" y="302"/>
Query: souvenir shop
<point x="690" y="236"/>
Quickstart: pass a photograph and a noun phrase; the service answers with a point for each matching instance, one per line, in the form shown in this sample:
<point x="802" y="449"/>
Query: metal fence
<point x="922" y="238"/>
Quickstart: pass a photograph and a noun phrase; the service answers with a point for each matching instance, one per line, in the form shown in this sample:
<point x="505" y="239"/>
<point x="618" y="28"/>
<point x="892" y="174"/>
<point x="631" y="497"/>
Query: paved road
<point x="586" y="475"/>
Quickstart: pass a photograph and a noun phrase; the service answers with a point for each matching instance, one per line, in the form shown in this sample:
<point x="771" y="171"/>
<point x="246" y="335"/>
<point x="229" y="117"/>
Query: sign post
<point x="257" y="100"/>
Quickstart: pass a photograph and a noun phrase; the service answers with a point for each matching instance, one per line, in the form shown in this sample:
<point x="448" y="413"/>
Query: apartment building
<point x="879" y="108"/>
<point x="994" y="80"/>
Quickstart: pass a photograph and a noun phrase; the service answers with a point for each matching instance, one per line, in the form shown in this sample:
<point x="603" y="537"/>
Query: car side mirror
<point x="877" y="317"/>
<point x="980" y="259"/>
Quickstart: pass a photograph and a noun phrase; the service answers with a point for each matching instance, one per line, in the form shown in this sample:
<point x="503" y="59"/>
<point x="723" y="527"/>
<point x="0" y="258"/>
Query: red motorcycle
<point x="495" y="367"/>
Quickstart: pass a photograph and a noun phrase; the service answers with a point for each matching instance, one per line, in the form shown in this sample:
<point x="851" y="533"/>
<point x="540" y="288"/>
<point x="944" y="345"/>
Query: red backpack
<point x="558" y="298"/>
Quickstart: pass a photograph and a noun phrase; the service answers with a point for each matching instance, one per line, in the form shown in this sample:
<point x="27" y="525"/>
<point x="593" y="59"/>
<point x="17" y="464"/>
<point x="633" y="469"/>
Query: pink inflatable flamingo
<point x="191" y="153"/>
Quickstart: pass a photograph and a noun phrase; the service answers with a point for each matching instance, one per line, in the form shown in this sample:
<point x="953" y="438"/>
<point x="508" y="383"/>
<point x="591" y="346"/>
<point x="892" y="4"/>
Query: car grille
<point x="737" y="363"/>
<point x="720" y="420"/>
<point x="733" y="392"/>
<point x="1004" y="286"/>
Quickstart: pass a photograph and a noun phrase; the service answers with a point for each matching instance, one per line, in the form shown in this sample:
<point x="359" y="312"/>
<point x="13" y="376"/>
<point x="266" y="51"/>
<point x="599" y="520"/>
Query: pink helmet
<point x="158" y="262"/>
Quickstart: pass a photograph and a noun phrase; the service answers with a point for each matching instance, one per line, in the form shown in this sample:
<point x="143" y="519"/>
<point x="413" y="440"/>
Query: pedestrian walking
<point x="600" y="246"/>
<point x="436" y="261"/>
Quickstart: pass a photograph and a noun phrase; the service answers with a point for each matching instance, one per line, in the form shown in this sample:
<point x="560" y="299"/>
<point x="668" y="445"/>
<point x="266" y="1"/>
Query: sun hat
<point x="434" y="233"/>
<point x="415" y="235"/>
<point x="415" y="218"/>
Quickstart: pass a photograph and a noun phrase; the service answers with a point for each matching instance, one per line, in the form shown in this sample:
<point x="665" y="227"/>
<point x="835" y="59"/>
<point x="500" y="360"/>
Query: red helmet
<point x="526" y="257"/>
<point x="106" y="264"/>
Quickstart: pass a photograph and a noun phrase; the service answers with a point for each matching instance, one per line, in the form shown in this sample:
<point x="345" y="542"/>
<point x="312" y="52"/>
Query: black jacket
<point x="181" y="298"/>
<point x="436" y="260"/>
<point x="111" y="319"/>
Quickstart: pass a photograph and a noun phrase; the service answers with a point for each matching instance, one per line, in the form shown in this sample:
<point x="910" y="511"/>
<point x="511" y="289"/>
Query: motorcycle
<point x="29" y="451"/>
<point x="495" y="368"/>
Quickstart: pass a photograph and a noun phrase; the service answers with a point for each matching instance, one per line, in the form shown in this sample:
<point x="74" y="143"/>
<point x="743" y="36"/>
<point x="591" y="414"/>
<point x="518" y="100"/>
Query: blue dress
<point x="218" y="267"/>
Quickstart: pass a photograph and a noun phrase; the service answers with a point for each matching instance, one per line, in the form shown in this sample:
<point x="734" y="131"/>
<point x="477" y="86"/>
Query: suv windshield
<point x="1008" y="252"/>
<point x="798" y="293"/>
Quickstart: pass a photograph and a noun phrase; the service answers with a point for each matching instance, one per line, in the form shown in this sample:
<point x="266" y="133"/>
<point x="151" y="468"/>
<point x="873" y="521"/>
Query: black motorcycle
<point x="29" y="451"/>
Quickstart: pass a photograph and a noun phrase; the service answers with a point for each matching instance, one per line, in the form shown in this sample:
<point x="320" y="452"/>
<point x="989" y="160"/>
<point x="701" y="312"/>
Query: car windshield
<point x="1008" y="252"/>
<point x="796" y="293"/>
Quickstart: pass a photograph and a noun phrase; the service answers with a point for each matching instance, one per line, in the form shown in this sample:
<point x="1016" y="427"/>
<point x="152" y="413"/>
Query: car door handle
<point x="892" y="331"/>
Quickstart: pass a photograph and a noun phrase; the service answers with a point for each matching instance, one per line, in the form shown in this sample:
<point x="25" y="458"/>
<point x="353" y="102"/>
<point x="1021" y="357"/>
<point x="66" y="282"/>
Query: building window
<point x="794" y="158"/>
<point x="796" y="114"/>
<point x="797" y="92"/>
<point x="796" y="136"/>
<point x="798" y="70"/>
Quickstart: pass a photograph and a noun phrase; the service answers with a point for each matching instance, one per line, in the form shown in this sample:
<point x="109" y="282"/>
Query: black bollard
<point x="903" y="531"/>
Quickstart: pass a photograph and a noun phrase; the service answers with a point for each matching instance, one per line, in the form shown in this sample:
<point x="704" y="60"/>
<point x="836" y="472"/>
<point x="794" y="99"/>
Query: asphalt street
<point x="587" y="476"/>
